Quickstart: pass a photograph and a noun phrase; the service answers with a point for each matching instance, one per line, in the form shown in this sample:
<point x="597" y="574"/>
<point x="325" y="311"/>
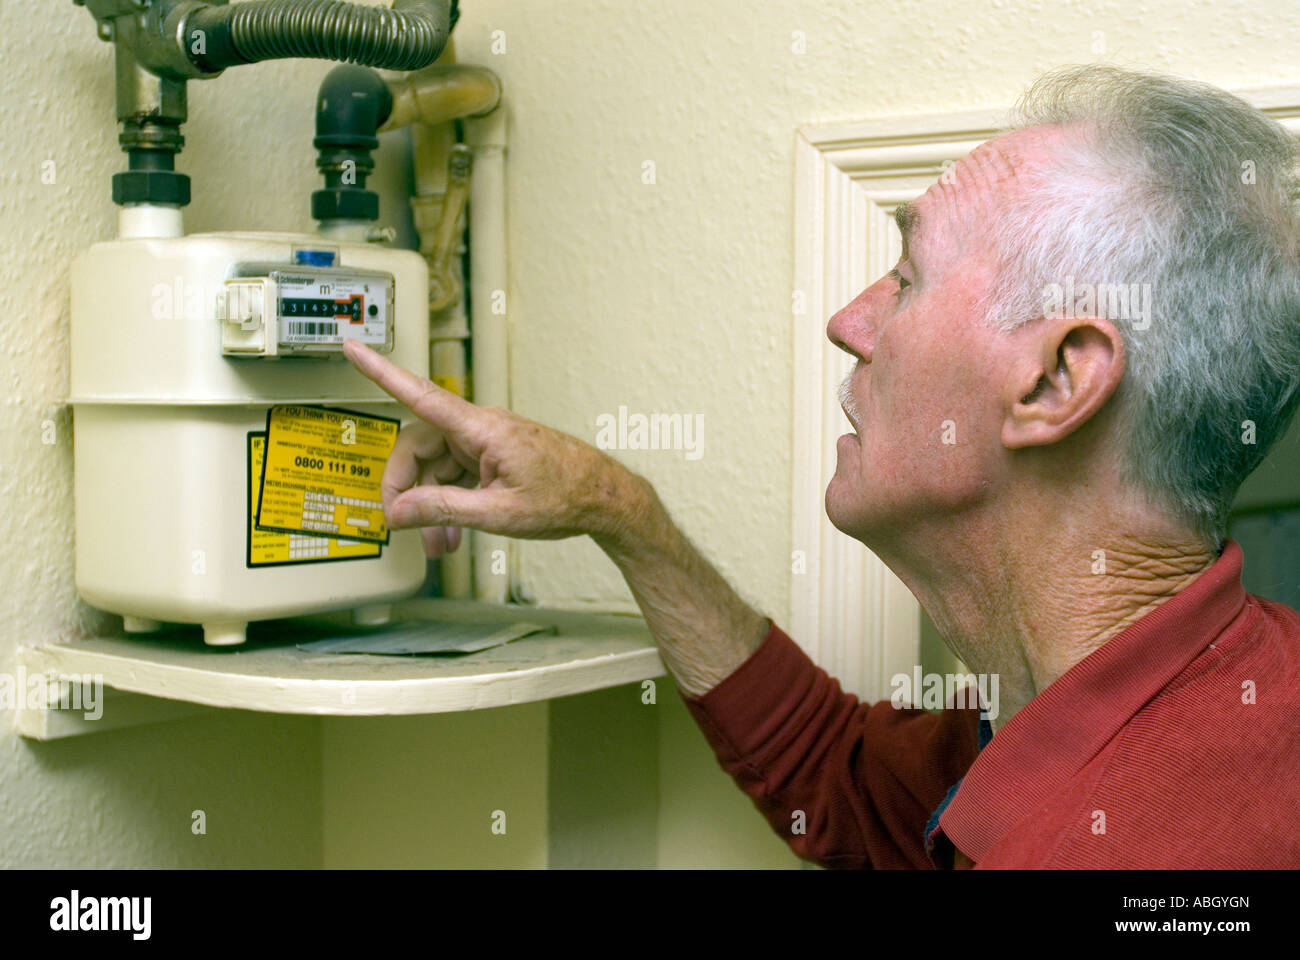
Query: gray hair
<point x="1192" y="191"/>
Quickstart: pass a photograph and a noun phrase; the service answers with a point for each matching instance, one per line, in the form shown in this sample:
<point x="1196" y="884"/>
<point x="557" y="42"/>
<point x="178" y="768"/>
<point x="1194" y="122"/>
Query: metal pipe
<point x="488" y="318"/>
<point x="442" y="92"/>
<point x="427" y="101"/>
<point x="163" y="43"/>
<point x="407" y="37"/>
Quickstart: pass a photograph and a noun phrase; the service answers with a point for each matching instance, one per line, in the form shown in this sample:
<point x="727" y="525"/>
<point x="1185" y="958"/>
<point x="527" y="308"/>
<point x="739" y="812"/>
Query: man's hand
<point x="487" y="468"/>
<point x="536" y="483"/>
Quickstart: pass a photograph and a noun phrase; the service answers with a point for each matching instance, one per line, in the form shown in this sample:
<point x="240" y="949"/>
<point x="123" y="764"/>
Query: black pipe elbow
<point x="353" y="102"/>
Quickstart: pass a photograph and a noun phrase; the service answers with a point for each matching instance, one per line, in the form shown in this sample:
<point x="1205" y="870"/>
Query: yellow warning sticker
<point x="322" y="472"/>
<point x="267" y="548"/>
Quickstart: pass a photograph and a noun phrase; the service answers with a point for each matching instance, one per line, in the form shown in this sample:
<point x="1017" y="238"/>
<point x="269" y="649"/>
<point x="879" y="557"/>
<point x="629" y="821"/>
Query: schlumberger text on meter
<point x="275" y="310"/>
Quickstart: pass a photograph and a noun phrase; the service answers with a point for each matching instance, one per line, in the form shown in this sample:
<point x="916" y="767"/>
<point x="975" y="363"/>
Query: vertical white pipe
<point x="141" y="220"/>
<point x="488" y="293"/>
<point x="455" y="570"/>
<point x="448" y="327"/>
<point x="347" y="231"/>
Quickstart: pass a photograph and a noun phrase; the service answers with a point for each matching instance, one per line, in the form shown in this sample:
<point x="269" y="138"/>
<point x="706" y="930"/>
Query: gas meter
<point x="185" y="350"/>
<point x="227" y="457"/>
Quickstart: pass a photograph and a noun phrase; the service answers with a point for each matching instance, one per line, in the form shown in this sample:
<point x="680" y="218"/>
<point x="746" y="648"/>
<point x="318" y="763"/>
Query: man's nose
<point x="852" y="328"/>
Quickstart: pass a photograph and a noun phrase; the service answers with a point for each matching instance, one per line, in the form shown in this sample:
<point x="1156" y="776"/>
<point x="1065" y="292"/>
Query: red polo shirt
<point x="1176" y="744"/>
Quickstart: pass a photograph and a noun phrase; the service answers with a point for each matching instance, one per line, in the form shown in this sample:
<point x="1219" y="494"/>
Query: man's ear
<point x="1070" y="368"/>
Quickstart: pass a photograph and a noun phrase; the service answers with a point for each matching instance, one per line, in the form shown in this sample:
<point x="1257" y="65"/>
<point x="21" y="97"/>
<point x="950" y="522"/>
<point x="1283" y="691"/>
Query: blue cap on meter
<point x="314" y="258"/>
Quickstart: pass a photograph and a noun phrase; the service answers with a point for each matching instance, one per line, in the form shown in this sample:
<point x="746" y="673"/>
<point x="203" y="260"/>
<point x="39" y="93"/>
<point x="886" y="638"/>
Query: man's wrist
<point x="627" y="502"/>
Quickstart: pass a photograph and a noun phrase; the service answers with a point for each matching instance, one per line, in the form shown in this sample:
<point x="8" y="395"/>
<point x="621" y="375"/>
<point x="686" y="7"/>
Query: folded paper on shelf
<point x="427" y="636"/>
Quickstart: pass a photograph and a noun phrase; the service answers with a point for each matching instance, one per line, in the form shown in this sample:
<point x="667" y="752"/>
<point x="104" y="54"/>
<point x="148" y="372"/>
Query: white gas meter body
<point x="180" y="347"/>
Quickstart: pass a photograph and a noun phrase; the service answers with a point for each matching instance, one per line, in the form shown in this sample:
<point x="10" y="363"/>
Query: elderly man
<point x="1071" y="541"/>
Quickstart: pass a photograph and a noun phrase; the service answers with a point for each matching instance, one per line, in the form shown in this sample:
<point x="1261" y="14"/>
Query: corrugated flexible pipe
<point x="409" y="36"/>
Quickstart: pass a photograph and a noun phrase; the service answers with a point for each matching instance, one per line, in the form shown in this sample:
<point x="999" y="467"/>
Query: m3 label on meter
<point x="318" y="311"/>
<point x="322" y="472"/>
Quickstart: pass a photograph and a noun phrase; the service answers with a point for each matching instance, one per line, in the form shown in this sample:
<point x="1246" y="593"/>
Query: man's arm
<point x="704" y="630"/>
<point x="496" y="471"/>
<point x="858" y="780"/>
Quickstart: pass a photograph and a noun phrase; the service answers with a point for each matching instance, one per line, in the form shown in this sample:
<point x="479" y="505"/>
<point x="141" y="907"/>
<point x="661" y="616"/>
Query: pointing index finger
<point x="425" y="399"/>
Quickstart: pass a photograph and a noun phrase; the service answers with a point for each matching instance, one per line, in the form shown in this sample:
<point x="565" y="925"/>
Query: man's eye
<point x="903" y="282"/>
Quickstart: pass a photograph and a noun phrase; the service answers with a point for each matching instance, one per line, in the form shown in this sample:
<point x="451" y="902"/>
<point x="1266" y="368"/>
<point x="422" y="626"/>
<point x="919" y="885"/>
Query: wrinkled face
<point x="927" y="391"/>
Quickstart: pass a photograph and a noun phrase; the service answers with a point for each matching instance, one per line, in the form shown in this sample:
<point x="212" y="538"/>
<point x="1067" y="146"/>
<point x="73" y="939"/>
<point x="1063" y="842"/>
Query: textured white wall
<point x="676" y="297"/>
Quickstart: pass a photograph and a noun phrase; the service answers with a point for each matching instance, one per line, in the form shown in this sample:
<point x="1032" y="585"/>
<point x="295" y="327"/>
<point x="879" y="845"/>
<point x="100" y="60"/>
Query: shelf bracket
<point x="50" y="706"/>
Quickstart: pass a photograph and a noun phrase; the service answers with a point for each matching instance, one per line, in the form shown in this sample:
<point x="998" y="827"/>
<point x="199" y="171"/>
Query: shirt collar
<point x="1036" y="752"/>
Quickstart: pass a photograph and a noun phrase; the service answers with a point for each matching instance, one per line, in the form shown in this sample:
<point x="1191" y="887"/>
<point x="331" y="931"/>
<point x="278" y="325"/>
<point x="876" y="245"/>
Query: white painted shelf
<point x="162" y="676"/>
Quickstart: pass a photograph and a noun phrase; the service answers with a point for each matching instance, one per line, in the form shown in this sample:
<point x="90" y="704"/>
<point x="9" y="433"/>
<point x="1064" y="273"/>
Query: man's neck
<point x="1028" y="608"/>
